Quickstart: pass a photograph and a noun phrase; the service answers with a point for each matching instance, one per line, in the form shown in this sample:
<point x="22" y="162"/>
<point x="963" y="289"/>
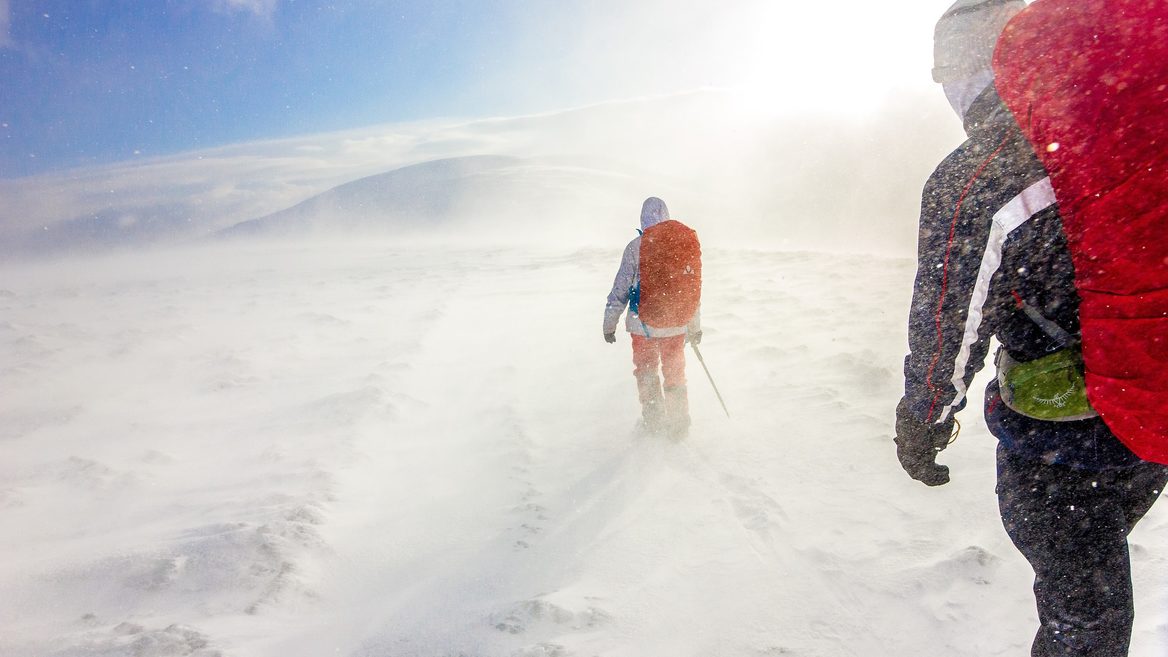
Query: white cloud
<point x="261" y="8"/>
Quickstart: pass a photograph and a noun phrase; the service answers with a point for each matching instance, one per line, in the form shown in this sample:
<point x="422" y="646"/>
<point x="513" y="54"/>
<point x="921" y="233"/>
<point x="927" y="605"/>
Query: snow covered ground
<point x="369" y="450"/>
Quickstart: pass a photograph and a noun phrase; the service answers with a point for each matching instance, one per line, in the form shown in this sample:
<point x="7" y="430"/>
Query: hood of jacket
<point x="653" y="212"/>
<point x="987" y="111"/>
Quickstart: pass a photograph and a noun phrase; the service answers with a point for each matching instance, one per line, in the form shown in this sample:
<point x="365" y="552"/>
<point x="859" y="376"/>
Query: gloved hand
<point x="694" y="338"/>
<point x="917" y="446"/>
<point x="610" y="338"/>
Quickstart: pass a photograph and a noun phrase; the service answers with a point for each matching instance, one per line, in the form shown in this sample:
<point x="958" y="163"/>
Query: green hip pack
<point x="1049" y="388"/>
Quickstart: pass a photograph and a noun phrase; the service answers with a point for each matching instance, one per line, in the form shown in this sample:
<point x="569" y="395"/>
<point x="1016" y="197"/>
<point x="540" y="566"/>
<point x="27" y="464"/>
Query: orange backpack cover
<point x="670" y="275"/>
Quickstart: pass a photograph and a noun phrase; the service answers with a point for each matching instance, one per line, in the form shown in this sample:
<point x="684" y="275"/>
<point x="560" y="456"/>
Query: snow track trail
<point x="376" y="451"/>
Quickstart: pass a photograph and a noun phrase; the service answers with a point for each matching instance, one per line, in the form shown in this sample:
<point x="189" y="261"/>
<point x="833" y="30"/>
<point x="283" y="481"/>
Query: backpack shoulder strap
<point x="1048" y="326"/>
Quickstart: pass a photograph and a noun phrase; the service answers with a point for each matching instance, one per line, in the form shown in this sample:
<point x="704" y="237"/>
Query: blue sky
<point x="99" y="80"/>
<point x="95" y="81"/>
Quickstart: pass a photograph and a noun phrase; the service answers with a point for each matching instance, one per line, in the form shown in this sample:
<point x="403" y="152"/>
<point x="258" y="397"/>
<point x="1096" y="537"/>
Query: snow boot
<point x="676" y="412"/>
<point x="653" y="407"/>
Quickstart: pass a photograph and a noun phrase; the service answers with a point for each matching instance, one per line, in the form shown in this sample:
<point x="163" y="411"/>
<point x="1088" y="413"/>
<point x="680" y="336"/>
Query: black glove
<point x="610" y="338"/>
<point x="917" y="446"/>
<point x="694" y="338"/>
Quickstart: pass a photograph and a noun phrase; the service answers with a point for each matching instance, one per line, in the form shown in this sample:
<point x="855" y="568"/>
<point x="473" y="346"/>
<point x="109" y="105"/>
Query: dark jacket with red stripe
<point x="990" y="238"/>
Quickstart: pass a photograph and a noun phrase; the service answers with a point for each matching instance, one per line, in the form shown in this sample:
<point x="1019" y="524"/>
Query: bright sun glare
<point x="838" y="59"/>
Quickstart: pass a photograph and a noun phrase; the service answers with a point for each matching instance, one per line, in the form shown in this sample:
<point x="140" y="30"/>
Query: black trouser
<point x="1072" y="526"/>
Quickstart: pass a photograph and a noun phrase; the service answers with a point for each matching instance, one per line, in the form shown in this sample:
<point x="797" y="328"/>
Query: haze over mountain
<point x="484" y="197"/>
<point x="742" y="175"/>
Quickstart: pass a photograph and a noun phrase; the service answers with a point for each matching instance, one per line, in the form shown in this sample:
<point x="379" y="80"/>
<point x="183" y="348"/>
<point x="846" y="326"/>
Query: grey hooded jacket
<point x="653" y="212"/>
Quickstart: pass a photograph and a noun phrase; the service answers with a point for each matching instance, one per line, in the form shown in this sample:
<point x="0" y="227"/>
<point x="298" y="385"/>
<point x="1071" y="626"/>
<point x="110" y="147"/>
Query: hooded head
<point x="653" y="212"/>
<point x="963" y="47"/>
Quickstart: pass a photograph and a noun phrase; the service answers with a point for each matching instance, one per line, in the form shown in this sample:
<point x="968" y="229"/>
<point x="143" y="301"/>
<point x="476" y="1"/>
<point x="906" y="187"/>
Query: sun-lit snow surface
<point x="362" y="449"/>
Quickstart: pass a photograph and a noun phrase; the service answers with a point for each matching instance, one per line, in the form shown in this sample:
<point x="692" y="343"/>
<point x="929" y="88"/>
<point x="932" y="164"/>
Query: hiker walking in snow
<point x="660" y="280"/>
<point x="994" y="260"/>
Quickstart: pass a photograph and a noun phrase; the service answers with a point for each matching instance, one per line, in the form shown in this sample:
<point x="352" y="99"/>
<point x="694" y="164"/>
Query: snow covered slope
<point x="366" y="450"/>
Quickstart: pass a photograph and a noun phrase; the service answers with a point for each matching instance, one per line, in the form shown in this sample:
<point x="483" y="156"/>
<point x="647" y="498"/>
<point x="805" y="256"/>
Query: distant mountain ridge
<point x="511" y="193"/>
<point x="738" y="175"/>
<point x="422" y="193"/>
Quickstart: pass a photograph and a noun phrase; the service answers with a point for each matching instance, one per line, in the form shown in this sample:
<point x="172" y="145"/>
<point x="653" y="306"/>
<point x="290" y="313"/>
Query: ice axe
<point x="711" y="378"/>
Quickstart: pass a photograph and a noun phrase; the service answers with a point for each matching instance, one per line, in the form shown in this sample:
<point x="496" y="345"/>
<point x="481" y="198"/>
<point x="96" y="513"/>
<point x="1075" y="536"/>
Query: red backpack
<point x="670" y="275"/>
<point x="1087" y="81"/>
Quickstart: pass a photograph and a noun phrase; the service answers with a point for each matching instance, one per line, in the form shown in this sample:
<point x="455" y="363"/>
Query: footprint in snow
<point x="538" y="615"/>
<point x="133" y="639"/>
<point x="973" y="564"/>
<point x="542" y="650"/>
